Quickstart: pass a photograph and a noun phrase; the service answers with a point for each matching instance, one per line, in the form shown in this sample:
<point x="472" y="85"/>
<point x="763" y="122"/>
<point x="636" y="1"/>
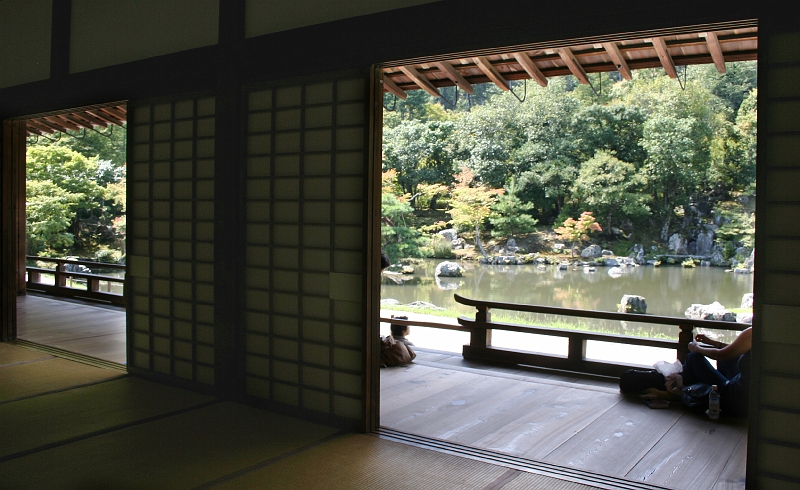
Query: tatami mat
<point x="181" y="451"/>
<point x="31" y="378"/>
<point x="58" y="417"/>
<point x="359" y="461"/>
<point x="11" y="354"/>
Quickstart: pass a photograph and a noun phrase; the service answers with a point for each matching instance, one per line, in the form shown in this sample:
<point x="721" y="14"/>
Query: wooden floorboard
<point x="578" y="422"/>
<point x="83" y="328"/>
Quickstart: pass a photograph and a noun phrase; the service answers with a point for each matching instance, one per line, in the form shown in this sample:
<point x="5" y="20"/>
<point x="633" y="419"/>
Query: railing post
<point x="685" y="336"/>
<point x="480" y="337"/>
<point x="34" y="277"/>
<point x="61" y="278"/>
<point x="92" y="284"/>
<point x="576" y="350"/>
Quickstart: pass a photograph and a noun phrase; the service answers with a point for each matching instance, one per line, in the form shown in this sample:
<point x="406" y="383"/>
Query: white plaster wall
<point x="268" y="16"/>
<point x="106" y="33"/>
<point x="24" y="41"/>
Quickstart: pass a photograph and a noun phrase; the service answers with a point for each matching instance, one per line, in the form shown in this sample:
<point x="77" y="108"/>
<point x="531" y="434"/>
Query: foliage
<point x="738" y="225"/>
<point x="441" y="247"/>
<point x="510" y="215"/>
<point x="471" y="204"/>
<point x="397" y="238"/>
<point x="576" y="231"/>
<point x="50" y="210"/>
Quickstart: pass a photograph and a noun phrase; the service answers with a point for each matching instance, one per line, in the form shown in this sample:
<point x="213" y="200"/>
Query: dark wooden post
<point x="480" y="337"/>
<point x="61" y="278"/>
<point x="684" y="337"/>
<point x="576" y="350"/>
<point x="92" y="284"/>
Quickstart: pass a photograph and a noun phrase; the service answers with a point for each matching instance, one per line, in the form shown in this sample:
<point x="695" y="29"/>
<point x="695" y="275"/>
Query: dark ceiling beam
<point x="491" y="72"/>
<point x="455" y="76"/>
<point x="530" y="68"/>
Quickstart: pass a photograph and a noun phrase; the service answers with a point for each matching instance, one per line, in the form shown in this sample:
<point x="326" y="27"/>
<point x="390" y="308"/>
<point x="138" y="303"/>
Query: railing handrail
<point x="85" y="275"/>
<point x="602" y="315"/>
<point x="99" y="265"/>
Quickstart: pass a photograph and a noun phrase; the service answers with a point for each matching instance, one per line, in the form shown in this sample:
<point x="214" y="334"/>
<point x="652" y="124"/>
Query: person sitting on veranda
<point x="732" y="375"/>
<point x="399" y="332"/>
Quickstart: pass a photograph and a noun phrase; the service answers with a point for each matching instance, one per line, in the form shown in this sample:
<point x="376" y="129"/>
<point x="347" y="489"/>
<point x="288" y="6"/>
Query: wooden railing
<point x="480" y="328"/>
<point x="65" y="281"/>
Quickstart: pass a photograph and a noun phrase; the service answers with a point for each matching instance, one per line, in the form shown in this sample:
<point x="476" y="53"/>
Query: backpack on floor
<point x="394" y="353"/>
<point x="635" y="381"/>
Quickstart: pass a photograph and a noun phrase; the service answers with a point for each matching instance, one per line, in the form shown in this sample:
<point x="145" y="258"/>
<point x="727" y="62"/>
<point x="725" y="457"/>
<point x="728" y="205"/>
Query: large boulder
<point x="747" y="300"/>
<point x="592" y="251"/>
<point x="505" y="260"/>
<point x="744" y="318"/>
<point x="631" y="303"/>
<point x="714" y="311"/>
<point x="677" y="244"/>
<point x="449" y="233"/>
<point x="751" y="260"/>
<point x="637" y="254"/>
<point x="717" y="259"/>
<point x="449" y="269"/>
<point x="705" y="241"/>
<point x="511" y="246"/>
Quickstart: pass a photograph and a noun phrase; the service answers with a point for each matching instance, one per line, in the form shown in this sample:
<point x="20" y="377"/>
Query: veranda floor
<point x="569" y="421"/>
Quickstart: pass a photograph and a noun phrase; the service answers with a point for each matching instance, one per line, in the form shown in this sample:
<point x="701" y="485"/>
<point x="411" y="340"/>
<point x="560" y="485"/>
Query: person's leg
<point x="729" y="367"/>
<point x="697" y="369"/>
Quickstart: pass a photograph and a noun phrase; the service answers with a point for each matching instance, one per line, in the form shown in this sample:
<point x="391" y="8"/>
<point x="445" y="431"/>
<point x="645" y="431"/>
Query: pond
<point x="669" y="291"/>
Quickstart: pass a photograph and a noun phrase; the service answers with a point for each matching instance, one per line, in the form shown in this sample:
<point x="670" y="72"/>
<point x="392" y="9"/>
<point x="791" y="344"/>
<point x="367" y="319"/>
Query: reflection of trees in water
<point x="572" y="297"/>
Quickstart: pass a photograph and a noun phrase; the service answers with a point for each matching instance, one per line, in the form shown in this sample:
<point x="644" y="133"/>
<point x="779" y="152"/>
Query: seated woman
<point x="731" y="375"/>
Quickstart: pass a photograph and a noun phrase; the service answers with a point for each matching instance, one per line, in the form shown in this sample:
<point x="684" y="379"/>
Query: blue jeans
<point x="733" y="391"/>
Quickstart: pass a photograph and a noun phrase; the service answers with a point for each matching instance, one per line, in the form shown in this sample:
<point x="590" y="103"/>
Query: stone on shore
<point x="592" y="251"/>
<point x="449" y="269"/>
<point x="631" y="303"/>
<point x="747" y="300"/>
<point x="714" y="311"/>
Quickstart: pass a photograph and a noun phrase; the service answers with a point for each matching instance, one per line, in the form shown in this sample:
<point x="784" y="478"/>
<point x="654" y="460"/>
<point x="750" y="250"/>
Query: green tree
<point x="510" y="215"/>
<point x="612" y="188"/>
<point x="49" y="213"/>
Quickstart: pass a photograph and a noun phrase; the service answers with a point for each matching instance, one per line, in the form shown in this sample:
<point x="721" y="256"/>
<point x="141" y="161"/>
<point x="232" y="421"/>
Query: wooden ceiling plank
<point x="107" y="118"/>
<point x="530" y="67"/>
<point x="569" y="59"/>
<point x="420" y="80"/>
<point x="455" y="76"/>
<point x="715" y="50"/>
<point x="619" y="61"/>
<point x="392" y="87"/>
<point x="486" y="67"/>
<point x="663" y="55"/>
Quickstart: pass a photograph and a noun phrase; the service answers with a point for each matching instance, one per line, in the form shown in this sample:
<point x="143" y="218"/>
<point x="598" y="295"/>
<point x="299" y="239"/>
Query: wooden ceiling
<point x="715" y="46"/>
<point x="87" y="117"/>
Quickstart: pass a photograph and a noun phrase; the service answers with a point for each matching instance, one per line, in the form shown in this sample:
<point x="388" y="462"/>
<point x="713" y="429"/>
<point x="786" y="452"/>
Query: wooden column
<point x="12" y="258"/>
<point x="479" y="337"/>
<point x="684" y="337"/>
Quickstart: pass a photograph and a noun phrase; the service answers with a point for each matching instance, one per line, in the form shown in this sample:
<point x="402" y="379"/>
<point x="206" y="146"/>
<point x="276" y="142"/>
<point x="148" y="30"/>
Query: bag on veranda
<point x="695" y="397"/>
<point x="394" y="353"/>
<point x="635" y="381"/>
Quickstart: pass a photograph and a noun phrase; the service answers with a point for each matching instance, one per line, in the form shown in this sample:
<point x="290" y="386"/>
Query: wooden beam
<point x="490" y="71"/>
<point x="40" y="126"/>
<point x="423" y="82"/>
<point x="118" y="112"/>
<point x="455" y="76"/>
<point x="90" y="119"/>
<point x="569" y="59"/>
<point x="392" y="87"/>
<point x="530" y="67"/>
<point x="62" y="121"/>
<point x="619" y="61"/>
<point x="663" y="55"/>
<point x="716" y="51"/>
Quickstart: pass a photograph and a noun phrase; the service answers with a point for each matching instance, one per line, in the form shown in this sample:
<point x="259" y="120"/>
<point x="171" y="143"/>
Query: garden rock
<point x="638" y="254"/>
<point x="677" y="244"/>
<point x="607" y="252"/>
<point x="611" y="262"/>
<point x="744" y="318"/>
<point x="505" y="260"/>
<point x="559" y="247"/>
<point x="449" y="269"/>
<point x="714" y="311"/>
<point x="751" y="260"/>
<point x="425" y="304"/>
<point x="458" y="244"/>
<point x="389" y="302"/>
<point x="631" y="303"/>
<point x="511" y="246"/>
<point x="747" y="300"/>
<point x="704" y="243"/>
<point x="592" y="251"/>
<point x="717" y="259"/>
<point x="449" y="234"/>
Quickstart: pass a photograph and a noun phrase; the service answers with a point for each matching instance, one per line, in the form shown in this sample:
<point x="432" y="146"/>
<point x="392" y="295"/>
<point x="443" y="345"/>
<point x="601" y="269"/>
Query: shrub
<point x="108" y="256"/>
<point x="442" y="249"/>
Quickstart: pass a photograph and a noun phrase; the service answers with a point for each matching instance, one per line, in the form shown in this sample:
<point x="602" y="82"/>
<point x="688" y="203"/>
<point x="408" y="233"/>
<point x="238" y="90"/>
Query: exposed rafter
<point x="389" y="85"/>
<point x="716" y="51"/>
<point x="574" y="66"/>
<point x="490" y="71"/>
<point x="420" y="80"/>
<point x="531" y="69"/>
<point x="455" y="76"/>
<point x="663" y="55"/>
<point x="540" y="61"/>
<point x="75" y="120"/>
<point x="618" y="59"/>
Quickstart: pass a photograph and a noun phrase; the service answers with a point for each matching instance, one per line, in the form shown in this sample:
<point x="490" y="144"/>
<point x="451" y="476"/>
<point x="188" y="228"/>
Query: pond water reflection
<point x="669" y="290"/>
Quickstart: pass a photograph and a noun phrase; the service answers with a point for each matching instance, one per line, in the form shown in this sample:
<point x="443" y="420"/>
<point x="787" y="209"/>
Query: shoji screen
<point x="305" y="245"/>
<point x="170" y="238"/>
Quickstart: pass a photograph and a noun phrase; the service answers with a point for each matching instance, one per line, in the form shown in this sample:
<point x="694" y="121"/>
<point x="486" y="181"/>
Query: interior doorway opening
<point x="72" y="264"/>
<point x="437" y="399"/>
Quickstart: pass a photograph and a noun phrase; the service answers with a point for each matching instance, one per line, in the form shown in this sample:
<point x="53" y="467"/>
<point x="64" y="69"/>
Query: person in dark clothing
<point x="731" y="374"/>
